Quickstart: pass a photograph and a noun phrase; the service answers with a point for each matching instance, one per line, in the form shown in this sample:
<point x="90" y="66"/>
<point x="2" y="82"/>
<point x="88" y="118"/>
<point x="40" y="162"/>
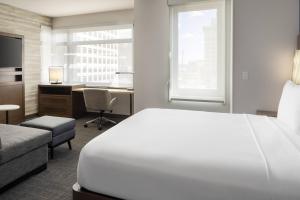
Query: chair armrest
<point x="112" y="102"/>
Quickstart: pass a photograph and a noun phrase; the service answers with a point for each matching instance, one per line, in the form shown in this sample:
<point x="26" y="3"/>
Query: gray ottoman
<point x="63" y="129"/>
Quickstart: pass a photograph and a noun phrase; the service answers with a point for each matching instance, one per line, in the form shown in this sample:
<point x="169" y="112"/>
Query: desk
<point x="56" y="99"/>
<point x="66" y="100"/>
<point x="78" y="98"/>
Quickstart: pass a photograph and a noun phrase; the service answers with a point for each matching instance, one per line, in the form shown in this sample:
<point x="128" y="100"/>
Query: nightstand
<point x="267" y="113"/>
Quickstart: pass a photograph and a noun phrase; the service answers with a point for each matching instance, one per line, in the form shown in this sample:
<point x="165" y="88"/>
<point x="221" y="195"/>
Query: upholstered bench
<point x="63" y="129"/>
<point x="23" y="152"/>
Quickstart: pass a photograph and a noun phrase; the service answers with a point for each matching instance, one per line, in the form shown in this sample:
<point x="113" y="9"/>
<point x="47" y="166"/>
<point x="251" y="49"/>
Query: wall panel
<point x="28" y="24"/>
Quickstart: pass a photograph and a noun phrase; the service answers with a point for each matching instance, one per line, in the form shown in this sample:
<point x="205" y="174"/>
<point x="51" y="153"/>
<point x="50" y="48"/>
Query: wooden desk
<point x="57" y="99"/>
<point x="66" y="100"/>
<point x="111" y="90"/>
<point x="78" y="98"/>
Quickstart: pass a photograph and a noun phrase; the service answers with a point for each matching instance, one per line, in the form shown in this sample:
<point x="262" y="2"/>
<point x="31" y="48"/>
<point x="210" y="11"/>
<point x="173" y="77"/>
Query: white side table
<point x="8" y="108"/>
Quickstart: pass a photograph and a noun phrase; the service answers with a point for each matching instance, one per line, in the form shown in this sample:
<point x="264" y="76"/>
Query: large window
<point x="198" y="51"/>
<point x="95" y="56"/>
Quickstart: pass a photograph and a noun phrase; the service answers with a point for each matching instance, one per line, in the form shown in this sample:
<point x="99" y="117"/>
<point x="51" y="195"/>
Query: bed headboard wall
<point x="298" y="43"/>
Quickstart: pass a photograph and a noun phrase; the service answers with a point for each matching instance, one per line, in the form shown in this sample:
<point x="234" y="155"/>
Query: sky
<point x="190" y="34"/>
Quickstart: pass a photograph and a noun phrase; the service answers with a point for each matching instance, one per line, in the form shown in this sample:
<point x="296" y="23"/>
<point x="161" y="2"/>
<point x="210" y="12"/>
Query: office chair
<point x="98" y="101"/>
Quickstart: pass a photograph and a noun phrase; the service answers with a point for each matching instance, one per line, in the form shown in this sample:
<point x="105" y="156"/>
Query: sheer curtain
<point x="46" y="49"/>
<point x="95" y="55"/>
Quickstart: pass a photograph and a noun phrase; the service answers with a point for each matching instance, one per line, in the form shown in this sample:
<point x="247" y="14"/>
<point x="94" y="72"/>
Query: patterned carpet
<point x="56" y="182"/>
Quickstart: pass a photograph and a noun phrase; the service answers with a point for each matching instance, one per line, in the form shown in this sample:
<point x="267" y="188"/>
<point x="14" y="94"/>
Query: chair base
<point x="100" y="120"/>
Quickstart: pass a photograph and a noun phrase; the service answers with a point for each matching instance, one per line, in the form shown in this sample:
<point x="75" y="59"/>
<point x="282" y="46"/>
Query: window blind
<point x="95" y="55"/>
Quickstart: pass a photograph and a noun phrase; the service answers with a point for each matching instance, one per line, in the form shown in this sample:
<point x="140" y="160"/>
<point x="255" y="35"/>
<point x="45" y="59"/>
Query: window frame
<point x="202" y="95"/>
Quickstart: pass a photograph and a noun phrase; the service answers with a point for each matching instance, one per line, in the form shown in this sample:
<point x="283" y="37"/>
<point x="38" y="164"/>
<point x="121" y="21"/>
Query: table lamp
<point x="56" y="75"/>
<point x="296" y="68"/>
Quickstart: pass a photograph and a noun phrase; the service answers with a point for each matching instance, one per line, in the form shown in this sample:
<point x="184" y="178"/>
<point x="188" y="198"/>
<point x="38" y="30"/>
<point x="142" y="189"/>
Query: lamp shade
<point x="56" y="75"/>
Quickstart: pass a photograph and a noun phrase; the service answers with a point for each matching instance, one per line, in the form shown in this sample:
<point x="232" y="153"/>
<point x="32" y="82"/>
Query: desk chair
<point x="98" y="101"/>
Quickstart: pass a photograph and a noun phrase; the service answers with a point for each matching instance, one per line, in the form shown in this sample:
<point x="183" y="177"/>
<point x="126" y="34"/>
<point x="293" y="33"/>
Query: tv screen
<point x="10" y="52"/>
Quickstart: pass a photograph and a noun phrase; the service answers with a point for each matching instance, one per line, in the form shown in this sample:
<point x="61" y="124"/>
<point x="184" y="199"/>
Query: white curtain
<point x="46" y="51"/>
<point x="94" y="55"/>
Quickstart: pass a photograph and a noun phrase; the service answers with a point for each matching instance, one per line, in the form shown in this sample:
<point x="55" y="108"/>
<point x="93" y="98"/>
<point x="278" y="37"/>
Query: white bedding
<point x="161" y="154"/>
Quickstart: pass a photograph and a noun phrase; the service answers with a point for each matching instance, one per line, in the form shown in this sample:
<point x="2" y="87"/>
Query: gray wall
<point x="264" y="40"/>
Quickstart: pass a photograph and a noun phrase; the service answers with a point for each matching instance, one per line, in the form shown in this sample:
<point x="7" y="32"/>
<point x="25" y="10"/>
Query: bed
<point x="162" y="154"/>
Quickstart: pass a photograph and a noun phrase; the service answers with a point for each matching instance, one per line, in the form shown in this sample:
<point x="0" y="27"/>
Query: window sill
<point x="200" y="106"/>
<point x="197" y="101"/>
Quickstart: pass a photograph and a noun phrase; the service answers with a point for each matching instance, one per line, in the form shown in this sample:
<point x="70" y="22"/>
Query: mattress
<point x="161" y="154"/>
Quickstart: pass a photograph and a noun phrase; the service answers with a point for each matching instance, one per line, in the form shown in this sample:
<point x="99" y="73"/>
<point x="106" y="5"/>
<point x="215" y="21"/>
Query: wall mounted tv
<point x="10" y="51"/>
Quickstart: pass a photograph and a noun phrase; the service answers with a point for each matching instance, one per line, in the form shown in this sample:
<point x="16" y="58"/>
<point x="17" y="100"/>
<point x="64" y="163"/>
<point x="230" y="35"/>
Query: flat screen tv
<point x="10" y="51"/>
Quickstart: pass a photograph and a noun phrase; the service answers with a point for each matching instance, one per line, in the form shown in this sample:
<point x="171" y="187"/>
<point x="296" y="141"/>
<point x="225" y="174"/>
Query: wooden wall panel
<point x="16" y="116"/>
<point x="28" y="24"/>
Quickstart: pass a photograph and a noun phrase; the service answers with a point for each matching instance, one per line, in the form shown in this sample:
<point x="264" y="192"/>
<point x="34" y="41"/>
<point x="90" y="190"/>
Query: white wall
<point x="264" y="39"/>
<point x="265" y="35"/>
<point x="95" y="19"/>
<point x="151" y="46"/>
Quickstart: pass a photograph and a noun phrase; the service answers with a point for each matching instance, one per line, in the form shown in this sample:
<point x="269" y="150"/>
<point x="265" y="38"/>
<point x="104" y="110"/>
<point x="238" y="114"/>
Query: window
<point x="198" y="45"/>
<point x="95" y="56"/>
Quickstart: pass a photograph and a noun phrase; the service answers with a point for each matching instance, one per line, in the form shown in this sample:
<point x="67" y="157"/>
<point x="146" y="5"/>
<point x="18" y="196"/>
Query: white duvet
<point x="161" y="154"/>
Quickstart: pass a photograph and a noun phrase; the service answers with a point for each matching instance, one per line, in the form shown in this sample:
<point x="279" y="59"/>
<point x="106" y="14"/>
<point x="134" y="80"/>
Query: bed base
<point x="80" y="193"/>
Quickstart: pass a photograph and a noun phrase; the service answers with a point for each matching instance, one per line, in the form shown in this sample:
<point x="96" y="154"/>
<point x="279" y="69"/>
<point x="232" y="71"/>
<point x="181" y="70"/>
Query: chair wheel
<point x="85" y="126"/>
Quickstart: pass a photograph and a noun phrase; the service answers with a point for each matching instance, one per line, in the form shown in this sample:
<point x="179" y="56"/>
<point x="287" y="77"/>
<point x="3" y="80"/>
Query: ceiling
<point x="60" y="8"/>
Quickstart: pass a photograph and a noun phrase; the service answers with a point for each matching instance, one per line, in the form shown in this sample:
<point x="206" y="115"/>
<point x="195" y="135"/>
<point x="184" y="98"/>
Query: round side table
<point x="8" y="108"/>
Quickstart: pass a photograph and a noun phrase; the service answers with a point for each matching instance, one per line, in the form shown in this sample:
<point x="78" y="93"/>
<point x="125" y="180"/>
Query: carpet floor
<point x="55" y="183"/>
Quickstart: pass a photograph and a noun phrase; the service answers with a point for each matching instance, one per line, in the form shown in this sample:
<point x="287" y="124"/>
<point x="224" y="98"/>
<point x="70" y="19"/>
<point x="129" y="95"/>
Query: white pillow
<point x="289" y="106"/>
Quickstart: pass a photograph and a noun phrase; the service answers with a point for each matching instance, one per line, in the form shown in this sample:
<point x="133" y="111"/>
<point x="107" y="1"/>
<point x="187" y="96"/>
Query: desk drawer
<point x="55" y="105"/>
